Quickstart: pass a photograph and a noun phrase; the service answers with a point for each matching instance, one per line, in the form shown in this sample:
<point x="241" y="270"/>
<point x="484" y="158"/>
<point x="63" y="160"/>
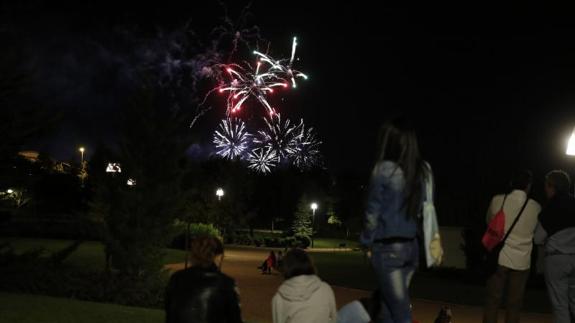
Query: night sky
<point x="491" y="89"/>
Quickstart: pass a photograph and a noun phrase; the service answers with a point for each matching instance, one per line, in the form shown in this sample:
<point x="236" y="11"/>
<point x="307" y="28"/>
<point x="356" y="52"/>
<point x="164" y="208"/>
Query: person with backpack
<point x="519" y="214"/>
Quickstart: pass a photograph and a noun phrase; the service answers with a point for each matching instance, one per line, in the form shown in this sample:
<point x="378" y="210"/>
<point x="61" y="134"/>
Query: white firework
<point x="262" y="159"/>
<point x="307" y="153"/>
<point x="231" y="139"/>
<point x="280" y="137"/>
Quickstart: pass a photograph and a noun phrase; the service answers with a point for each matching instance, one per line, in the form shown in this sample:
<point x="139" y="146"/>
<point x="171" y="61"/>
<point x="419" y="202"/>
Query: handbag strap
<point x="503" y="203"/>
<point x="516" y="219"/>
<point x="429" y="185"/>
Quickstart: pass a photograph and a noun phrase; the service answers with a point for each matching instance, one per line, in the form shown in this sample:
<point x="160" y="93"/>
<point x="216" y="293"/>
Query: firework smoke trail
<point x="263" y="159"/>
<point x="237" y="31"/>
<point x="247" y="81"/>
<point x="232" y="139"/>
<point x="307" y="153"/>
<point x="280" y="137"/>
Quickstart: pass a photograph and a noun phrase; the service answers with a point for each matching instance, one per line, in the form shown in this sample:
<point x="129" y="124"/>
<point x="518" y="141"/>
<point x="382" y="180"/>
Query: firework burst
<point x="231" y="139"/>
<point x="307" y="152"/>
<point x="262" y="159"/>
<point x="258" y="81"/>
<point x="279" y="136"/>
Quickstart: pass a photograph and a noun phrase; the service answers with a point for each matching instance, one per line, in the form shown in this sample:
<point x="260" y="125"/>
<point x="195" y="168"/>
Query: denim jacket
<point x="385" y="215"/>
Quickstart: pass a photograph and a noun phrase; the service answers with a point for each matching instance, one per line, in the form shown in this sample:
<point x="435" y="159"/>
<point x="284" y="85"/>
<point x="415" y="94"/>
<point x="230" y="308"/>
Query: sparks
<point x="231" y="139"/>
<point x="307" y="154"/>
<point x="280" y="137"/>
<point x="245" y="81"/>
<point x="262" y="159"/>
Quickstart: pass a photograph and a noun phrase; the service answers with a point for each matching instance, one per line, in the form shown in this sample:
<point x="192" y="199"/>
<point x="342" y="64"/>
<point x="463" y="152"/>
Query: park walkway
<point x="257" y="291"/>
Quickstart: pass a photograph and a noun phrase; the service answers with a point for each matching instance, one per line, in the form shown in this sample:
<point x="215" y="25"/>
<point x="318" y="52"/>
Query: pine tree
<point x="137" y="220"/>
<point x="302" y="224"/>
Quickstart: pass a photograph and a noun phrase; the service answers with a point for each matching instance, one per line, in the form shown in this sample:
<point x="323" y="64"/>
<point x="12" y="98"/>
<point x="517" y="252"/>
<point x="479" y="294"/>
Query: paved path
<point x="257" y="291"/>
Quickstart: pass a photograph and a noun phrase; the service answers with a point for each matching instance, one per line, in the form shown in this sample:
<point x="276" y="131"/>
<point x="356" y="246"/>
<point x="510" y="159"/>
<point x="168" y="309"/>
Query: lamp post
<point x="220" y="193"/>
<point x="82" y="154"/>
<point x="82" y="170"/>
<point x="571" y="145"/>
<point x="570" y="151"/>
<point x="313" y="208"/>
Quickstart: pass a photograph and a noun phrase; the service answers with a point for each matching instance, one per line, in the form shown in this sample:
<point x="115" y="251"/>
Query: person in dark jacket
<point x="556" y="231"/>
<point x="201" y="293"/>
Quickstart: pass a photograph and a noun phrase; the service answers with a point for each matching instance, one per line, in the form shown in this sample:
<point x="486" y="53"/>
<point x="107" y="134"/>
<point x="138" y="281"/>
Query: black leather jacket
<point x="202" y="295"/>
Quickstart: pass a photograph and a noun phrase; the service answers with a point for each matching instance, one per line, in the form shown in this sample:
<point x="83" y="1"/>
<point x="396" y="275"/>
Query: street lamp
<point x="9" y="191"/>
<point x="219" y="193"/>
<point x="82" y="169"/>
<point x="571" y="145"/>
<point x="313" y="208"/>
<point x="82" y="154"/>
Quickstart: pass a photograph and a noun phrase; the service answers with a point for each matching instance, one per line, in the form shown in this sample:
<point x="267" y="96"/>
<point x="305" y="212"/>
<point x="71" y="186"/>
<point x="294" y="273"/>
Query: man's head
<point x="522" y="180"/>
<point x="557" y="182"/>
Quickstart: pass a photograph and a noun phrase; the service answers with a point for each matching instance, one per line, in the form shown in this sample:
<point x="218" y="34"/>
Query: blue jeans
<point x="560" y="280"/>
<point x="394" y="265"/>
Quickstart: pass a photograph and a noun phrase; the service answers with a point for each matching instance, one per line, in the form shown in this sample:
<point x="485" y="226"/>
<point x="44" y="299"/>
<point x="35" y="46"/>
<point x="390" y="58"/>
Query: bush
<point x="239" y="239"/>
<point x="196" y="229"/>
<point x="290" y="242"/>
<point x="32" y="274"/>
<point x="302" y="242"/>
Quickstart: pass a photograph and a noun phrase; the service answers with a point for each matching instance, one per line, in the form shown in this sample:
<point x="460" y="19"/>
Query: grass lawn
<point x="90" y="254"/>
<point x="18" y="308"/>
<point x="346" y="269"/>
<point x="334" y="243"/>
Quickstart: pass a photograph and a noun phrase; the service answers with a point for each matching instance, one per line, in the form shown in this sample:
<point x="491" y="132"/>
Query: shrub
<point x="302" y="242"/>
<point x="196" y="229"/>
<point x="33" y="273"/>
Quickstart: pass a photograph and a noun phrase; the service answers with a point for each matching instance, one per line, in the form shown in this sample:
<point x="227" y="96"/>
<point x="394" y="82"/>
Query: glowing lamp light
<point x="10" y="191"/>
<point x="81" y="149"/>
<point x="571" y="145"/>
<point x="219" y="193"/>
<point x="313" y="206"/>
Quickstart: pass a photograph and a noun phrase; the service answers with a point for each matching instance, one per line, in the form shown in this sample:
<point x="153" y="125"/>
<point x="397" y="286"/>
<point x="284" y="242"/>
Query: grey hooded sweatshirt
<point x="304" y="299"/>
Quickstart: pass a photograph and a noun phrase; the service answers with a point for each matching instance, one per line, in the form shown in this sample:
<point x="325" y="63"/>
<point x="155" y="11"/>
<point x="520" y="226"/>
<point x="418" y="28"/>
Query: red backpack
<point x="495" y="230"/>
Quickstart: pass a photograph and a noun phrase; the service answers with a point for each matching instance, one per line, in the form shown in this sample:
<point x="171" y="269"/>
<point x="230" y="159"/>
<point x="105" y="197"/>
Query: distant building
<point x="30" y="155"/>
<point x="56" y="166"/>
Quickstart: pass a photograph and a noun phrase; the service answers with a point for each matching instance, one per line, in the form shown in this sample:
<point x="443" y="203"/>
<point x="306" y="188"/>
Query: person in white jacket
<point x="303" y="297"/>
